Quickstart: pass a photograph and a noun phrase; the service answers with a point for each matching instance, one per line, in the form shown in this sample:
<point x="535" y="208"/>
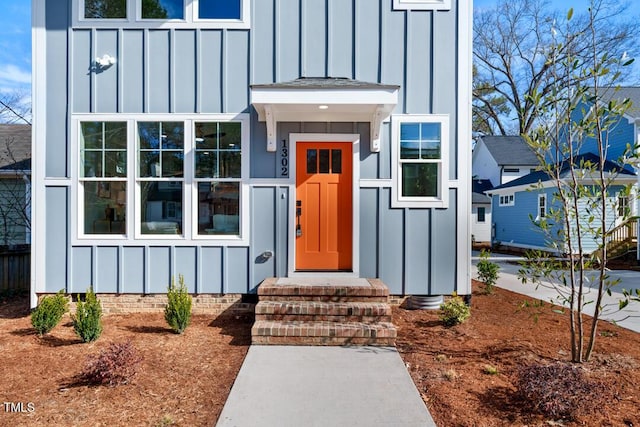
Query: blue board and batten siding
<point x="200" y="70"/>
<point x="514" y="225"/>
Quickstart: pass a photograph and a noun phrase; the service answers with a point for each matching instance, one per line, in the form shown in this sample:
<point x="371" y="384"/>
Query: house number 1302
<point x="284" y="159"/>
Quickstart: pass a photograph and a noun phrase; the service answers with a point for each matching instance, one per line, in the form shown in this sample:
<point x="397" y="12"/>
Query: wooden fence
<point x="15" y="269"/>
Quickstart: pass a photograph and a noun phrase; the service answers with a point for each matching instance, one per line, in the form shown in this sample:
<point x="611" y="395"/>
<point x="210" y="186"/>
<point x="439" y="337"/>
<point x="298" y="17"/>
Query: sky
<point x="15" y="46"/>
<point x="15" y="40"/>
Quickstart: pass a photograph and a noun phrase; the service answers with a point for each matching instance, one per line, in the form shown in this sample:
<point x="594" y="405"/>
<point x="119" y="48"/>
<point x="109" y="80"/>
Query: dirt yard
<point x="185" y="379"/>
<point x="449" y="365"/>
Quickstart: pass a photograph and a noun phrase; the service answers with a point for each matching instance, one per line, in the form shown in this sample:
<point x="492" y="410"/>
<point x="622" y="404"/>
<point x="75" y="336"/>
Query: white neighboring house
<point x="15" y="184"/>
<point x="481" y="212"/>
<point x="501" y="159"/>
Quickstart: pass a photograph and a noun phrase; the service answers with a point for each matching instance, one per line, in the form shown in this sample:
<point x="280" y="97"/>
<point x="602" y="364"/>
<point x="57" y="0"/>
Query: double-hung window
<point x="162" y="177"/>
<point x="481" y="214"/>
<point x="209" y="13"/>
<point x="103" y="176"/>
<point x="542" y="206"/>
<point x="218" y="173"/>
<point x="420" y="160"/>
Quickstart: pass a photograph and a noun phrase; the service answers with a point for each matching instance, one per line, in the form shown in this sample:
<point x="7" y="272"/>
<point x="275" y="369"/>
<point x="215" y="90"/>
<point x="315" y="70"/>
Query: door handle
<point x="298" y="214"/>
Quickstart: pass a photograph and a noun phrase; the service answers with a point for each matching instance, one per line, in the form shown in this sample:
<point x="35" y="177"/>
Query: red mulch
<point x="185" y="379"/>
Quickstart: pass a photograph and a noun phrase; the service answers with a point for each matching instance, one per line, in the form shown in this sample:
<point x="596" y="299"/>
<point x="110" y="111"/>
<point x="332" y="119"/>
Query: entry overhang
<point x="324" y="100"/>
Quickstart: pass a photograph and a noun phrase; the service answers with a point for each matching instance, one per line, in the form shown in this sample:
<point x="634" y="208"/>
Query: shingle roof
<point x="542" y="176"/>
<point x="620" y="93"/>
<point x="510" y="150"/>
<point x="15" y="147"/>
<point x="324" y="83"/>
<point x="481" y="199"/>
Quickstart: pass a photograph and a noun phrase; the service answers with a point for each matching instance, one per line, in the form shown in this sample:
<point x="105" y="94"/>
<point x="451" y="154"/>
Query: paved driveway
<point x="628" y="318"/>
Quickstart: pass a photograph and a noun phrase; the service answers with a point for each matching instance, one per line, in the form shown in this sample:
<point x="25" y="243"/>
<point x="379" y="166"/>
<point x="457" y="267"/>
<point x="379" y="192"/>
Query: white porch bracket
<point x="376" y="128"/>
<point x="271" y="122"/>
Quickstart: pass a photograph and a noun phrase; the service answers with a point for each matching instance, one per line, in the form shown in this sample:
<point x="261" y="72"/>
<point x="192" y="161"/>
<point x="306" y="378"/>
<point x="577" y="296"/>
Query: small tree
<point x="487" y="271"/>
<point x="581" y="210"/>
<point x="177" y="313"/>
<point x="87" y="323"/>
<point x="49" y="312"/>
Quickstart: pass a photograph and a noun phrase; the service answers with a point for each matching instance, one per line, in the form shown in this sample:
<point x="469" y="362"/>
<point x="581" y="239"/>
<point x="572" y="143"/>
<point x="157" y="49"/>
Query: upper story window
<point x="105" y="9"/>
<point x="421" y="4"/>
<point x="162" y="9"/>
<point x="420" y="160"/>
<point x="162" y="13"/>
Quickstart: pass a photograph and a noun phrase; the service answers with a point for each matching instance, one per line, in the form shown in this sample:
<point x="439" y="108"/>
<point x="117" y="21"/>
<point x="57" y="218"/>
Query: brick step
<point x="322" y="333"/>
<point x="322" y="298"/>
<point x="274" y="289"/>
<point x="323" y="311"/>
<point x="321" y="341"/>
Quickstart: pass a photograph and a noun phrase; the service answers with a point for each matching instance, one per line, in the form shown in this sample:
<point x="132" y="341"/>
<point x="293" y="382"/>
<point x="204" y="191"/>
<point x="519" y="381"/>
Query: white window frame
<point x="422" y="4"/>
<point x="542" y="207"/>
<point x="134" y="18"/>
<point x="507" y="199"/>
<point x="442" y="198"/>
<point x="623" y="205"/>
<point x="133" y="235"/>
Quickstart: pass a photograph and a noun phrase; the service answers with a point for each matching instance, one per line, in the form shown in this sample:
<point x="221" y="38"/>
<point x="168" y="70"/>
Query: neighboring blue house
<point x="514" y="203"/>
<point x="520" y="203"/>
<point x="233" y="141"/>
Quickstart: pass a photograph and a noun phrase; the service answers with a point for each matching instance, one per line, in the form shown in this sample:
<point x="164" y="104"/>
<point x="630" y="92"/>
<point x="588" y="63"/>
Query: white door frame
<point x="294" y="138"/>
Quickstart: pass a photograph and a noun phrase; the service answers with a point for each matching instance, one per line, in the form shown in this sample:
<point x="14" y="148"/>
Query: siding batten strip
<point x="145" y="71"/>
<point x="92" y="80"/>
<point x="223" y="71"/>
<point x="172" y="71"/>
<point x="119" y="65"/>
<point x="198" y="71"/>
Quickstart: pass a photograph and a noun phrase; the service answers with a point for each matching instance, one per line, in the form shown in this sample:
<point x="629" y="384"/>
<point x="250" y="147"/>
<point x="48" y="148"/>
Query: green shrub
<point x="87" y="323"/>
<point x="487" y="271"/>
<point x="454" y="311"/>
<point x="177" y="313"/>
<point x="115" y="365"/>
<point x="49" y="312"/>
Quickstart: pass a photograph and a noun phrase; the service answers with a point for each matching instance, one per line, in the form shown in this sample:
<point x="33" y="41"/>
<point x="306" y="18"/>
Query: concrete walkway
<point x="300" y="386"/>
<point x="628" y="318"/>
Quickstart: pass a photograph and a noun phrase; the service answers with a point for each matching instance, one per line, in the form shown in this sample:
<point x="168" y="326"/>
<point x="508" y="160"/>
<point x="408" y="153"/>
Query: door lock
<point x="298" y="214"/>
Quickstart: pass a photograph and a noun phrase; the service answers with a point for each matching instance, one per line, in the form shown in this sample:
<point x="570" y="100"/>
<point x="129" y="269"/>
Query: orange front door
<point x="324" y="220"/>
